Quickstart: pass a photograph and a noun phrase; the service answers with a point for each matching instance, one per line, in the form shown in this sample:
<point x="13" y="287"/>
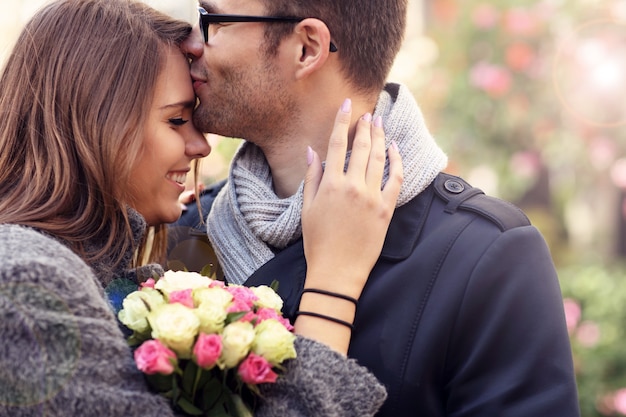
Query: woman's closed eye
<point x="177" y="121"/>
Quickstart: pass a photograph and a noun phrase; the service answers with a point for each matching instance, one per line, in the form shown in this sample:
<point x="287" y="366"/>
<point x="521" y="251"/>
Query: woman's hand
<point x="345" y="217"/>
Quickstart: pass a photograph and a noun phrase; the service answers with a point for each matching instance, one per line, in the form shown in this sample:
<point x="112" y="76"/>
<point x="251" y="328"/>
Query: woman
<point x="95" y="101"/>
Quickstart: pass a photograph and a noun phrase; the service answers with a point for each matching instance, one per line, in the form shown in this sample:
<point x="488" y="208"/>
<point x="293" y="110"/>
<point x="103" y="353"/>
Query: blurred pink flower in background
<point x="525" y="164"/>
<point x="619" y="401"/>
<point x="520" y="56"/>
<point x="588" y="333"/>
<point x="485" y="16"/>
<point x="493" y="79"/>
<point x="572" y="314"/>
<point x="602" y="152"/>
<point x="618" y="173"/>
<point x="521" y="22"/>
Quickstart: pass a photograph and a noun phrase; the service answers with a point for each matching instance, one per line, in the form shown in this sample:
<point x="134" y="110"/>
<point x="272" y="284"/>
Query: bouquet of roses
<point x="205" y="345"/>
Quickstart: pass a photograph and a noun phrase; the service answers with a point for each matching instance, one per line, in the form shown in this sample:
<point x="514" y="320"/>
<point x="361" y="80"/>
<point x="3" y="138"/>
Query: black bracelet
<point x="331" y="294"/>
<point x="321" y="316"/>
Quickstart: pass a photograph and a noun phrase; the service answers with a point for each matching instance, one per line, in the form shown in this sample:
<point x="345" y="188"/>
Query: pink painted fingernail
<point x="395" y="145"/>
<point x="378" y="121"/>
<point x="309" y="155"/>
<point x="367" y="117"/>
<point x="346" y="107"/>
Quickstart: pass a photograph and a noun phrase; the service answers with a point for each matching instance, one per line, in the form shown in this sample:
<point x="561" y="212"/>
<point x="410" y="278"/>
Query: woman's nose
<point x="197" y="145"/>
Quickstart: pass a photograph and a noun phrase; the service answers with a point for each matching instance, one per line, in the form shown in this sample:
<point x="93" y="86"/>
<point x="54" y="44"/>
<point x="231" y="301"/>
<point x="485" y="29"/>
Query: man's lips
<point x="198" y="83"/>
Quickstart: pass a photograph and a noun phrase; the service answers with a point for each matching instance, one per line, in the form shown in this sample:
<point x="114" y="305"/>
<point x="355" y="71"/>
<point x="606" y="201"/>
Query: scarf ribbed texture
<point x="248" y="222"/>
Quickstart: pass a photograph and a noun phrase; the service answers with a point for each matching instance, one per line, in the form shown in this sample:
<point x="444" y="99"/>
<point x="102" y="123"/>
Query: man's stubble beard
<point x="252" y="106"/>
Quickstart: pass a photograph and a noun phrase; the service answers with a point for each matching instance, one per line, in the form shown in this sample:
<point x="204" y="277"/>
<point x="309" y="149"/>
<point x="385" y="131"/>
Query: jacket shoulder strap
<point x="459" y="195"/>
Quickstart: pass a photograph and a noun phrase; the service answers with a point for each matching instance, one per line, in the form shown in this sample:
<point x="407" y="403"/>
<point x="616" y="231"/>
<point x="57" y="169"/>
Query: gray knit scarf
<point x="248" y="222"/>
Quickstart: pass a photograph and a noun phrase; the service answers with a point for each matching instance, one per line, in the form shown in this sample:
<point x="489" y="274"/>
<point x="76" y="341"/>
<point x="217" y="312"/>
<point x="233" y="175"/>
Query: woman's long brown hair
<point x="74" y="94"/>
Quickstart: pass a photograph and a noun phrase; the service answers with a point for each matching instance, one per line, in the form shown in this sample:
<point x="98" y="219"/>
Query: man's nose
<point x="193" y="46"/>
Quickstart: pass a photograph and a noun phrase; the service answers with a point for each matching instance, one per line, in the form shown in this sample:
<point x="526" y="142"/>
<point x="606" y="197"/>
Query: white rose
<point x="181" y="280"/>
<point x="237" y="338"/>
<point x="176" y="326"/>
<point x="136" y="307"/>
<point x="267" y="297"/>
<point x="274" y="342"/>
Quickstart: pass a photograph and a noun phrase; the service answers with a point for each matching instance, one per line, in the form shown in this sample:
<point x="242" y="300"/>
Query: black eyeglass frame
<point x="207" y="18"/>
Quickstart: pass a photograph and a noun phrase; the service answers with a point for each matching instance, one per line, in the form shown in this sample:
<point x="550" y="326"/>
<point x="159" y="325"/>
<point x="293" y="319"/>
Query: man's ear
<point x="313" y="39"/>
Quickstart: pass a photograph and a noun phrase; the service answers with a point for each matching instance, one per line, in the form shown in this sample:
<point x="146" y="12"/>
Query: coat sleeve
<point x="61" y="351"/>
<point x="322" y="383"/>
<point x="511" y="355"/>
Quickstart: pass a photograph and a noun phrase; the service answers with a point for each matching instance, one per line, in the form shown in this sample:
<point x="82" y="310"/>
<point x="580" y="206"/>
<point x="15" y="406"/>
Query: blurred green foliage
<point x="595" y="296"/>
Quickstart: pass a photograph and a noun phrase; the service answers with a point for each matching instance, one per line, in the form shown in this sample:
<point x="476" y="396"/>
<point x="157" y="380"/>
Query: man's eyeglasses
<point x="207" y="18"/>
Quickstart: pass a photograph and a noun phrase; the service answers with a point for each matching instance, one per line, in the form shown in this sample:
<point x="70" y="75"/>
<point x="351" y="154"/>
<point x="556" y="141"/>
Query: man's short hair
<point x="367" y="33"/>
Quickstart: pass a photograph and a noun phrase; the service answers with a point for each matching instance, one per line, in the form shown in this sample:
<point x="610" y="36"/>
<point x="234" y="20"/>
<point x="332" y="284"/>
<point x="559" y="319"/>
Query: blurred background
<point x="528" y="98"/>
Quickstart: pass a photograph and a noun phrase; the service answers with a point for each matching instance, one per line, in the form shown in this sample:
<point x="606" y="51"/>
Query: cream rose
<point x="181" y="280"/>
<point x="267" y="297"/>
<point x="176" y="326"/>
<point x="215" y="296"/>
<point x="136" y="307"/>
<point x="211" y="317"/>
<point x="274" y="342"/>
<point x="237" y="338"/>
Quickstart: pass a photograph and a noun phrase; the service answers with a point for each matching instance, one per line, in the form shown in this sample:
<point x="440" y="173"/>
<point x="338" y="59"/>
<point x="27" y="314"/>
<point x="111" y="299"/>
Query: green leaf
<point x="175" y="265"/>
<point x="175" y="390"/>
<point x="218" y="412"/>
<point x="233" y="317"/>
<point x="160" y="383"/>
<point x="208" y="270"/>
<point x="136" y="339"/>
<point x="189" y="377"/>
<point x="238" y="407"/>
<point x="188" y="407"/>
<point x="212" y="392"/>
<point x="274" y="285"/>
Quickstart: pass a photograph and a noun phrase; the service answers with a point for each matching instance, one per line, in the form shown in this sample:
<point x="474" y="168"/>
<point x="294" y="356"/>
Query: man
<point x="462" y="315"/>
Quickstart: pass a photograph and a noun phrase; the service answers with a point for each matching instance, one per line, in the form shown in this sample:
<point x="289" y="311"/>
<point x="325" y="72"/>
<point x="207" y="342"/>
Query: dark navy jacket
<point x="462" y="314"/>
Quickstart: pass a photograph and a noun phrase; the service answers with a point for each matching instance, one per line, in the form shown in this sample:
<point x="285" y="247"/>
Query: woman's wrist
<point x="326" y="318"/>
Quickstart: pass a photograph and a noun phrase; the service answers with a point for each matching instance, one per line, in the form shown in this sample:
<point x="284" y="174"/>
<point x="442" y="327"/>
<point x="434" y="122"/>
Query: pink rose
<point x="216" y="283"/>
<point x="207" y="350"/>
<point x="148" y="284"/>
<point x="183" y="297"/>
<point x="242" y="295"/>
<point x="256" y="369"/>
<point x="238" y="305"/>
<point x="269" y="313"/>
<point x="153" y="357"/>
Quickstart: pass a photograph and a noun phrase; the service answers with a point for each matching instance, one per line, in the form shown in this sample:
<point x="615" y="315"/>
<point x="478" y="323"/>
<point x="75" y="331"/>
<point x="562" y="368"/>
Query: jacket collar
<point x="406" y="226"/>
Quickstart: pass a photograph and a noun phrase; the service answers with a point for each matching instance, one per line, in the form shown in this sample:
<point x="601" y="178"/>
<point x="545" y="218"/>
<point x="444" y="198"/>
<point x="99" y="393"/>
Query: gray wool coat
<point x="62" y="352"/>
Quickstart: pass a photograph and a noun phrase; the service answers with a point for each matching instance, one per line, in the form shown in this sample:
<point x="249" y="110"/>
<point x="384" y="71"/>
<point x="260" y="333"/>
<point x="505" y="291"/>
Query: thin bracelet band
<point x="322" y="316"/>
<point x="331" y="294"/>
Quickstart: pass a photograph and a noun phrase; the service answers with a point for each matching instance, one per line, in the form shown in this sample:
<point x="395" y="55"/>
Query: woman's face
<point x="170" y="143"/>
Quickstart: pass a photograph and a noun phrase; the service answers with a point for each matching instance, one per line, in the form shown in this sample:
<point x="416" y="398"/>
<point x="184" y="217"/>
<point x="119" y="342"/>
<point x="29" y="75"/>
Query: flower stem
<point x="195" y="382"/>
